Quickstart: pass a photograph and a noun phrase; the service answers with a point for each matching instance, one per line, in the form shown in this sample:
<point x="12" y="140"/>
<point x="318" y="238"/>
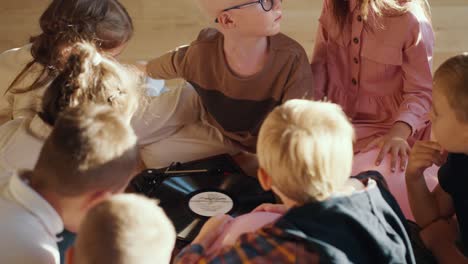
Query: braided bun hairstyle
<point x="105" y="23"/>
<point x="89" y="77"/>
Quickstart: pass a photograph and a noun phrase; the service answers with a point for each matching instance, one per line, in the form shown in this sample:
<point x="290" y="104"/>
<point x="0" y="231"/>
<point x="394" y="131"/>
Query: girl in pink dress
<point x="373" y="57"/>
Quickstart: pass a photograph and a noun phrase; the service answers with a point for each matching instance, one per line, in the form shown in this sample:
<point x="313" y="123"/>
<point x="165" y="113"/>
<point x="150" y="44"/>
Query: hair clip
<point x="111" y="98"/>
<point x="97" y="59"/>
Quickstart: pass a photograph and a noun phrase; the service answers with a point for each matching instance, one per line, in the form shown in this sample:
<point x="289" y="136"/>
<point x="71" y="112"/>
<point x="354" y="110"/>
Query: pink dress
<point x="379" y="71"/>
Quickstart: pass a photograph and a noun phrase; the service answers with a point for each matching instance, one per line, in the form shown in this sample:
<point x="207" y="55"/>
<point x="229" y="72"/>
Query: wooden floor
<point x="162" y="25"/>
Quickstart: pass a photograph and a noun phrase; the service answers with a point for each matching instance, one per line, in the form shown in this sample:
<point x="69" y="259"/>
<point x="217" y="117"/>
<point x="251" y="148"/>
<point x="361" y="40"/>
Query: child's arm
<point x="168" y="66"/>
<point x="417" y="77"/>
<point x="416" y="92"/>
<point x="426" y="206"/>
<point x="196" y="251"/>
<point x="6" y="108"/>
<point x="253" y="247"/>
<point x="439" y="238"/>
<point x="319" y="58"/>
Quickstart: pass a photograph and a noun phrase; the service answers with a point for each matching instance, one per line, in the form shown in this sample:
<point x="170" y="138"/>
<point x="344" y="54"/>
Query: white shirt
<point x="28" y="225"/>
<point x="21" y="141"/>
<point x="15" y="105"/>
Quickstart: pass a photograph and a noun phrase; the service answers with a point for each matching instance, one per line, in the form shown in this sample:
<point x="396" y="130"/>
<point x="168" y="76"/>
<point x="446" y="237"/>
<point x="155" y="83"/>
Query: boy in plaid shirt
<point x="305" y="151"/>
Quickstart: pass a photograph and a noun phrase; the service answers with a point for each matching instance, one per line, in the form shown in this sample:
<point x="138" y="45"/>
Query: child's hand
<point x="211" y="230"/>
<point x="397" y="146"/>
<point x="441" y="231"/>
<point x="394" y="142"/>
<point x="423" y="156"/>
<point x="271" y="208"/>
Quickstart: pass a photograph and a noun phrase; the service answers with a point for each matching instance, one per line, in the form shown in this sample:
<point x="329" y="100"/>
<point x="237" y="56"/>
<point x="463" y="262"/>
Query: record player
<point x="190" y="193"/>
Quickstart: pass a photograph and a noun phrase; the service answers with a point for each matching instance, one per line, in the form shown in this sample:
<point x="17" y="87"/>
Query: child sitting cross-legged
<point x="90" y="155"/>
<point x="241" y="69"/>
<point x="305" y="152"/>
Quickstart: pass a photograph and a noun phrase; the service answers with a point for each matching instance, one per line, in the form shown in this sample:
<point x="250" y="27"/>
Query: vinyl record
<point x="189" y="199"/>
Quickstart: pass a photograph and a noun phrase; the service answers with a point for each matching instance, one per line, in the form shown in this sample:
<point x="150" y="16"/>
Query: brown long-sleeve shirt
<point x="237" y="105"/>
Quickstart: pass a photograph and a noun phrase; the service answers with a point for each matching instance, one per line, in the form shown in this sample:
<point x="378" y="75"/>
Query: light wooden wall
<point x="162" y="25"/>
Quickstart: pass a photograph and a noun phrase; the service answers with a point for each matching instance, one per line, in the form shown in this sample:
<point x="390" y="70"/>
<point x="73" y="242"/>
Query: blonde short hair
<point x="125" y="229"/>
<point x="90" y="148"/>
<point x="306" y="148"/>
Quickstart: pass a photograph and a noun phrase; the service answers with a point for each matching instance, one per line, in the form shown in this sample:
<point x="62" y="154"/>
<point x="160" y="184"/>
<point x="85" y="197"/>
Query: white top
<point x="21" y="141"/>
<point x="12" y="105"/>
<point x="28" y="225"/>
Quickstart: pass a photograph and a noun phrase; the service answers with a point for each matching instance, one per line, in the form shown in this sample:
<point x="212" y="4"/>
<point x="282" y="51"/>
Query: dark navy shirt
<point x="361" y="228"/>
<point x="453" y="178"/>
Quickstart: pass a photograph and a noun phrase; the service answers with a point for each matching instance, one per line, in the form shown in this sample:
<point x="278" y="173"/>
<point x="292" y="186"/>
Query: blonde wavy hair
<point x="90" y="77"/>
<point x="377" y="7"/>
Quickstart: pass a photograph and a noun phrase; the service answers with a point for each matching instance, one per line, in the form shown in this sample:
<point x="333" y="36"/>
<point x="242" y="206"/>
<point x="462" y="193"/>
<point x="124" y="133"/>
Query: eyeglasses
<point x="267" y="5"/>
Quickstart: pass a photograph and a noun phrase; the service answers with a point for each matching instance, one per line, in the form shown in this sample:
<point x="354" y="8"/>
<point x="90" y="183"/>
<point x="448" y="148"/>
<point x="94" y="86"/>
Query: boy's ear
<point x="225" y="20"/>
<point x="264" y="179"/>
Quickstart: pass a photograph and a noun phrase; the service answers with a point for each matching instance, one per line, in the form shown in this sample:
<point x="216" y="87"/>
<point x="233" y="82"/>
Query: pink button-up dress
<point x="379" y="71"/>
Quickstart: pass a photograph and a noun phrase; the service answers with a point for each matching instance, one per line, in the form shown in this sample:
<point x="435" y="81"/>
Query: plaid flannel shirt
<point x="268" y="245"/>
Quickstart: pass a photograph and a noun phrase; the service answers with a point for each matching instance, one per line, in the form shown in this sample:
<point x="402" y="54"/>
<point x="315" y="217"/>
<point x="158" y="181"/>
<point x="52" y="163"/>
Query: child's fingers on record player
<point x="212" y="229"/>
<point x="271" y="208"/>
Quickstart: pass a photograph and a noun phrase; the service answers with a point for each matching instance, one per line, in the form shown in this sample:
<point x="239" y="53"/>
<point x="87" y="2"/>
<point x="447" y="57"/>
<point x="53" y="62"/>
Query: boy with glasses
<point x="241" y="70"/>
